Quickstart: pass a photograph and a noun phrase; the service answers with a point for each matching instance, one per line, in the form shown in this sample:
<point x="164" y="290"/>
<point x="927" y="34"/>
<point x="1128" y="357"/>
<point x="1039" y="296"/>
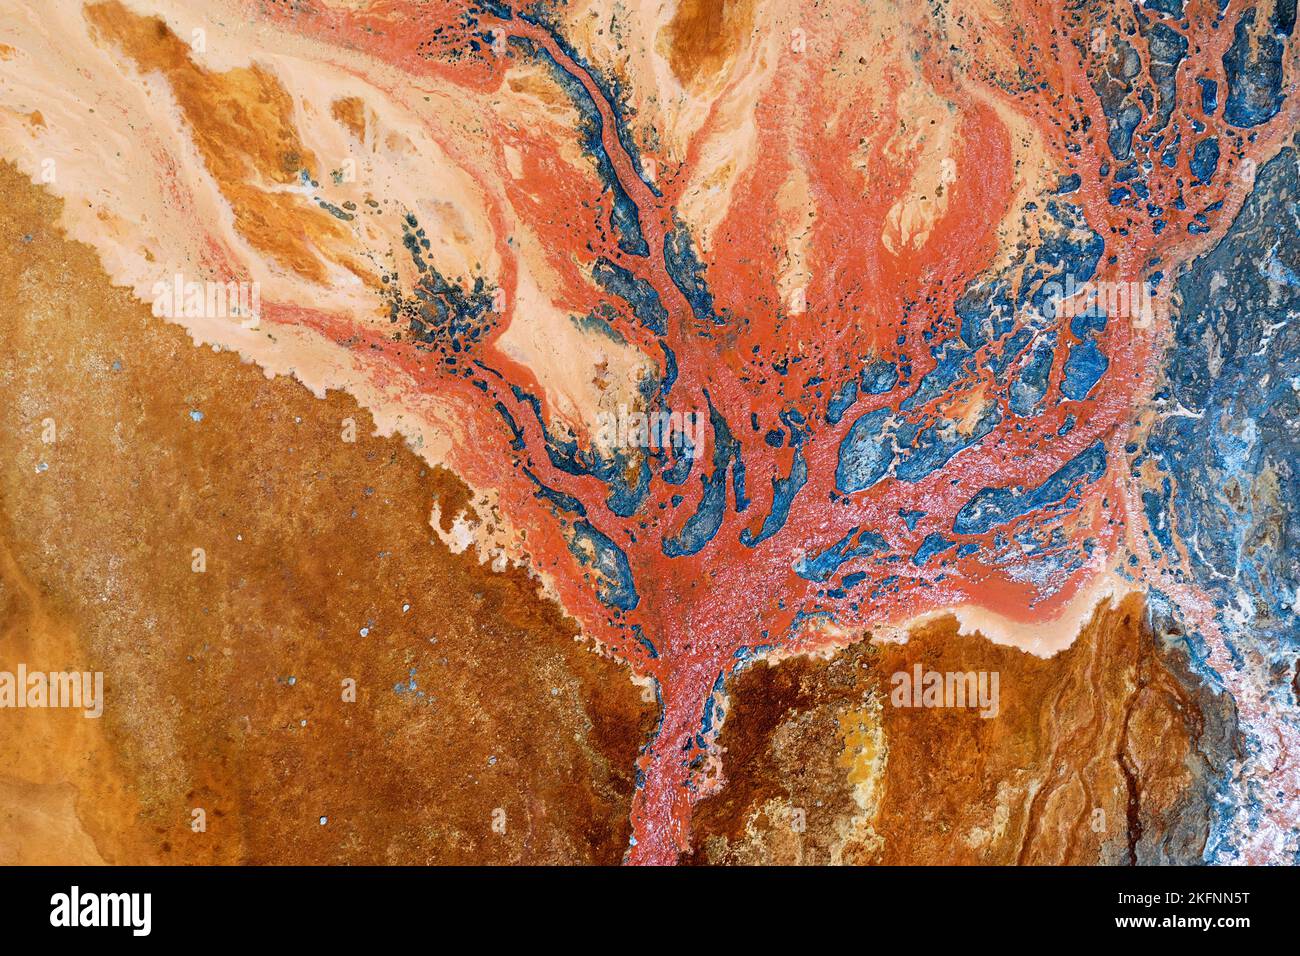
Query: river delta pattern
<point x="976" y="324"/>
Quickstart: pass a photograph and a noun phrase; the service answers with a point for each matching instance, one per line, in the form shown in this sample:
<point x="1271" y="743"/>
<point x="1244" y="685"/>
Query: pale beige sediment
<point x="138" y="190"/>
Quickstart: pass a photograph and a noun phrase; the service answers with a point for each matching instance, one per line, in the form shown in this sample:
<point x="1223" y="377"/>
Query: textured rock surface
<point x="1108" y="752"/>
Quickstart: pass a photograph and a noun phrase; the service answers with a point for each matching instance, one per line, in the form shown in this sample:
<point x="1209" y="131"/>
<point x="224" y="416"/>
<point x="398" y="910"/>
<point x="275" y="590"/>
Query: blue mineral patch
<point x="1209" y="94"/>
<point x="600" y="321"/>
<point x="841" y="401"/>
<point x="1085" y="362"/>
<point x="439" y="313"/>
<point x="783" y="495"/>
<point x="687" y="272"/>
<point x="866" y="452"/>
<point x="680" y="469"/>
<point x="670" y="370"/>
<point x="1030" y="386"/>
<point x="1168" y="48"/>
<point x="1089" y="319"/>
<point x="991" y="507"/>
<point x="1084" y="367"/>
<point x="856" y="544"/>
<point x="1227" y="445"/>
<point x="934" y="543"/>
<point x="1012" y="348"/>
<point x="878" y="377"/>
<point x="1156" y="506"/>
<point x="911" y="517"/>
<point x="999" y="320"/>
<point x="611" y="91"/>
<point x="594" y="549"/>
<point x="924" y="449"/>
<point x="985" y="311"/>
<point x="1067" y="246"/>
<point x="1205" y="159"/>
<point x="954" y="361"/>
<point x="638" y="293"/>
<point x="639" y="635"/>
<point x="700" y="528"/>
<point x="628" y="485"/>
<point x="1253" y="66"/>
<point x="1120" y="139"/>
<point x="1229" y="440"/>
<point x="628" y="481"/>
<point x="559" y="499"/>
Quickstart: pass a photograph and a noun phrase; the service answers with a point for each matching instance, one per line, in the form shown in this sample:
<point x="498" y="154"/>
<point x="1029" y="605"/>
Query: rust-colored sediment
<point x="1097" y="755"/>
<point x="351" y="112"/>
<point x="703" y="36"/>
<point x="224" y="688"/>
<point x="242" y="122"/>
